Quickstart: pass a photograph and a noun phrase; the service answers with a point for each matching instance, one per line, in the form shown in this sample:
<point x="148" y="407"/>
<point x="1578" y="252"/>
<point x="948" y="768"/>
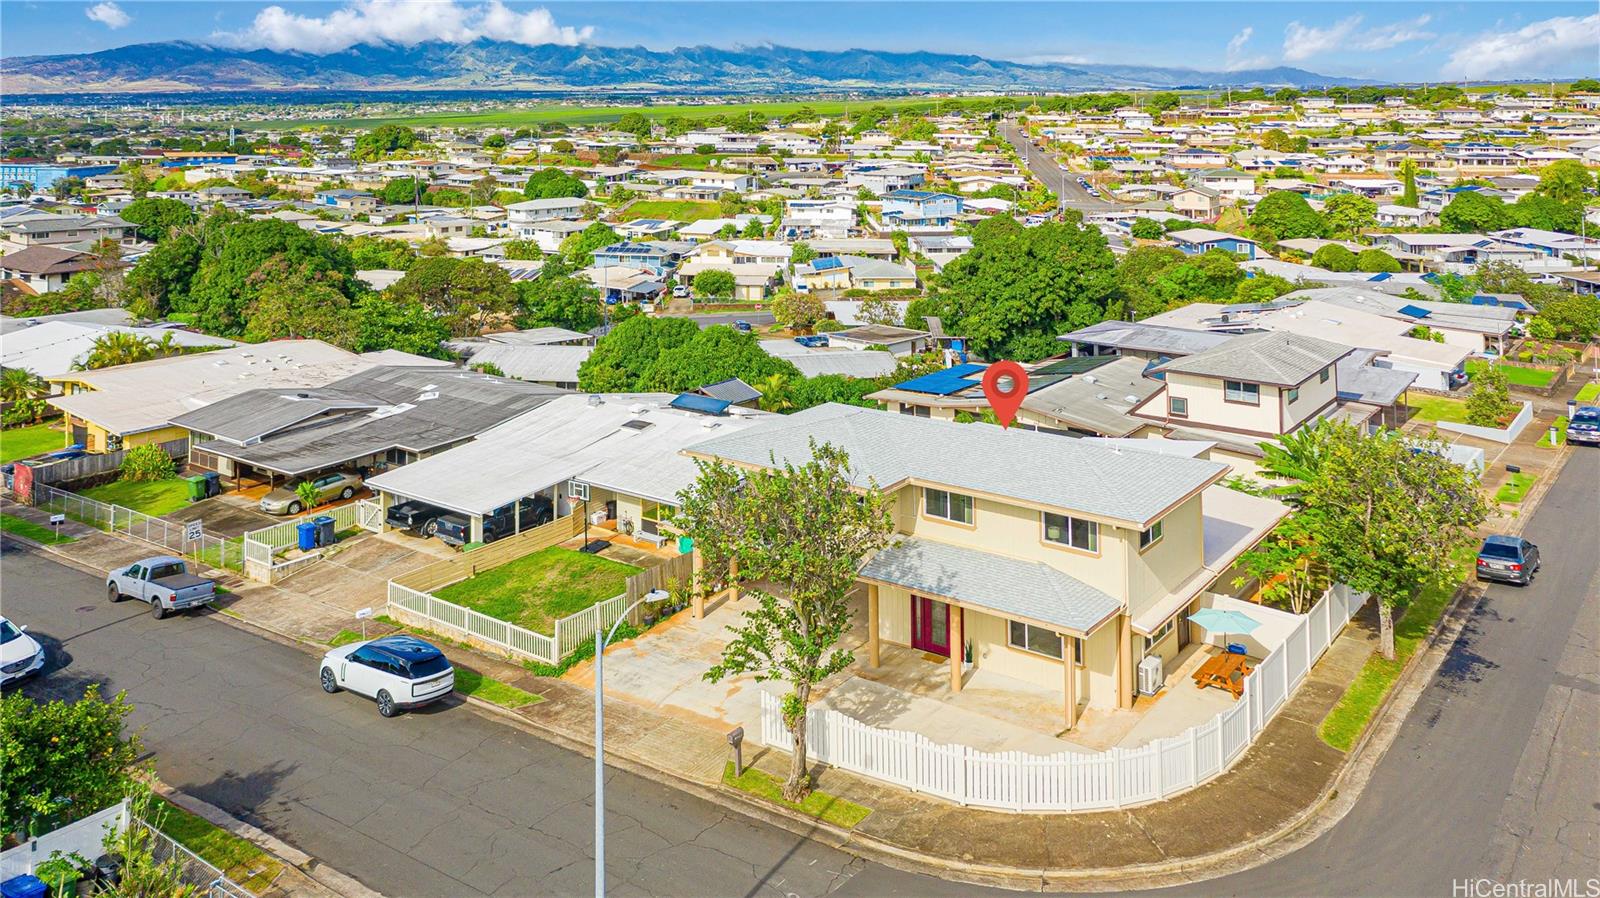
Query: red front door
<point x="930" y="625"/>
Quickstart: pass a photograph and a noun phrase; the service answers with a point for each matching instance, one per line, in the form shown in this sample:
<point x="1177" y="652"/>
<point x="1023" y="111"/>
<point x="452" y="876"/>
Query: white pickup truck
<point x="164" y="583"/>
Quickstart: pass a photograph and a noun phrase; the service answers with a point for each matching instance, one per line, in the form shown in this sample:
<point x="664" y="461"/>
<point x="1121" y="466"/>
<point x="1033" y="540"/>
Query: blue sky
<point x="1380" y="40"/>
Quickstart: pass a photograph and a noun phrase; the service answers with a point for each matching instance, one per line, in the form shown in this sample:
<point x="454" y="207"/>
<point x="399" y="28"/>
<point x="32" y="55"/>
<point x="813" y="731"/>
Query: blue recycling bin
<point x="25" y="886"/>
<point x="306" y="536"/>
<point x="324" y="525"/>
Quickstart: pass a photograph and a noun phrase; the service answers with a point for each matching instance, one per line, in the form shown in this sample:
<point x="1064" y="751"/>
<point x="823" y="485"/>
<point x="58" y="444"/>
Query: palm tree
<point x="777" y="394"/>
<point x="1295" y="459"/>
<point x="118" y="348"/>
<point x="17" y="384"/>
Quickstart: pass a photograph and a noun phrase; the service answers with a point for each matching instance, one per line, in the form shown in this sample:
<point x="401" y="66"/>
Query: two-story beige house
<point x="1258" y="385"/>
<point x="1058" y="562"/>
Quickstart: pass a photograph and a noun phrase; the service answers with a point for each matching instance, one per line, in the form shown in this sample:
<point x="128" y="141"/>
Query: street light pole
<point x="601" y="639"/>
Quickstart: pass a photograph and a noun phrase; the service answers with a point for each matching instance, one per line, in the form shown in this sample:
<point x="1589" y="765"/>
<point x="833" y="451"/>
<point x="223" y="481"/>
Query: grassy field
<point x="1561" y="434"/>
<point x="536" y="589"/>
<point x="470" y="682"/>
<point x="26" y="529"/>
<point x="1589" y="393"/>
<point x="239" y="859"/>
<point x="1522" y="377"/>
<point x="153" y="497"/>
<point x="26" y="442"/>
<point x="672" y="210"/>
<point x="1515" y="489"/>
<point x="1348" y="719"/>
<point x="588" y="115"/>
<point x="820" y="805"/>
<point x="1438" y="408"/>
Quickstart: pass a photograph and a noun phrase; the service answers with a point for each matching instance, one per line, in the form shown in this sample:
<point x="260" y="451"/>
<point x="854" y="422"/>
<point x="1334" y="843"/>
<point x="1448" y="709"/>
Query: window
<point x="1237" y="391"/>
<point x="915" y="411"/>
<point x="653" y="514"/>
<point x="1074" y="532"/>
<point x="1161" y="633"/>
<point x="1177" y="407"/>
<point x="1149" y="535"/>
<point x="1034" y="639"/>
<point x="946" y="505"/>
<point x="1322" y="376"/>
<point x="1294" y="396"/>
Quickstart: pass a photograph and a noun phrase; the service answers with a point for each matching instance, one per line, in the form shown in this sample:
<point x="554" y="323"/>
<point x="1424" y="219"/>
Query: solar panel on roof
<point x="945" y="382"/>
<point x="704" y="405"/>
<point x="1414" y="311"/>
<point x="827" y="264"/>
<point x="1076" y="365"/>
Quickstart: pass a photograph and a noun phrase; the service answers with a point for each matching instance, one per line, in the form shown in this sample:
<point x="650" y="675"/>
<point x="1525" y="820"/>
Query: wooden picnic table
<point x="1218" y="670"/>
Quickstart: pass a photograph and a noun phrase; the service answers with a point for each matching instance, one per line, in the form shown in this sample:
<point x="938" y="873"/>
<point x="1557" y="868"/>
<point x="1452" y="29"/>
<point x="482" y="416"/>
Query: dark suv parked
<point x="456" y="529"/>
<point x="1508" y="559"/>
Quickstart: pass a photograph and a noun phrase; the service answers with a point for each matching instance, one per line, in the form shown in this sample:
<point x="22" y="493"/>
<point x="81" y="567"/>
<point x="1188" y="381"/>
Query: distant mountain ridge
<point x="488" y="64"/>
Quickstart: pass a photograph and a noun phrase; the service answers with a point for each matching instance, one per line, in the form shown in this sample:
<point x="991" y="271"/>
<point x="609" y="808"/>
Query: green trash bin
<point x="197" y="487"/>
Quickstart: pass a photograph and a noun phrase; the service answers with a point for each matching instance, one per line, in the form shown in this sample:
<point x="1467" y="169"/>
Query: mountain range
<point x="487" y="64"/>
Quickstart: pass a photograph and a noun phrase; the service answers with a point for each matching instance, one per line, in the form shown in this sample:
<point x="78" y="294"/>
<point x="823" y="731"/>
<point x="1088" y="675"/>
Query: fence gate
<point x="369" y="515"/>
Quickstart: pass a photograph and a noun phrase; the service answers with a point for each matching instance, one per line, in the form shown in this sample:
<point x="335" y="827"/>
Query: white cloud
<point x="403" y="22"/>
<point x="108" y="14"/>
<point x="1056" y="59"/>
<point x="1236" y="59"/>
<point x="1302" y="42"/>
<point x="1537" y="49"/>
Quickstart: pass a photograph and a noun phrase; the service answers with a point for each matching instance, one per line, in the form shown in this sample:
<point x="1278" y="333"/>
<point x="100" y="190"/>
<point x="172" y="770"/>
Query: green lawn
<point x="672" y="210"/>
<point x="534" y="590"/>
<point x="1515" y="489"/>
<point x="26" y="442"/>
<point x="1348" y="719"/>
<point x="1589" y="393"/>
<point x="1522" y="377"/>
<point x="470" y="682"/>
<point x="153" y="497"/>
<point x="344" y="637"/>
<point x="39" y="533"/>
<point x="1561" y="434"/>
<point x="239" y="859"/>
<point x="821" y="805"/>
<point x="1438" y="408"/>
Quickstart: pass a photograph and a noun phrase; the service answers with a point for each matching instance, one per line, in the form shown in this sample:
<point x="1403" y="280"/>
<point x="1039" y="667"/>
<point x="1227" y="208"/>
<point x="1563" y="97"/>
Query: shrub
<point x="1334" y="257"/>
<point x="23" y="411"/>
<point x="1491" y="398"/>
<point x="148" y="462"/>
<point x="307" y="491"/>
<point x="1376" y="261"/>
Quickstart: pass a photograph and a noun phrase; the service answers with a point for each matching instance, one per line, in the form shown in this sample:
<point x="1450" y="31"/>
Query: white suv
<point x="21" y="656"/>
<point x="396" y="671"/>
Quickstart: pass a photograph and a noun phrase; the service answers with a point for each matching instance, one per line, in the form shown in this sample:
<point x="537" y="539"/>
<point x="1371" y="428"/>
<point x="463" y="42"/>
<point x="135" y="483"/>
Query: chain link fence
<point x="170" y="535"/>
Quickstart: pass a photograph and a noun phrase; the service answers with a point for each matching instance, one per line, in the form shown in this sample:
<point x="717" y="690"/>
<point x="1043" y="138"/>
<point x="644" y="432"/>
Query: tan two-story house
<point x="1058" y="562"/>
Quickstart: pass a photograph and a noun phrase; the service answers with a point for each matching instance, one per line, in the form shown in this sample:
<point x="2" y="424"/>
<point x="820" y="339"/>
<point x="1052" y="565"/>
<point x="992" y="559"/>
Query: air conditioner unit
<point x="1151" y="675"/>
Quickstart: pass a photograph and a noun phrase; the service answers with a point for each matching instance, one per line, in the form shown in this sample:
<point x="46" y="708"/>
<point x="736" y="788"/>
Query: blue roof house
<point x="1195" y="241"/>
<point x="921" y="208"/>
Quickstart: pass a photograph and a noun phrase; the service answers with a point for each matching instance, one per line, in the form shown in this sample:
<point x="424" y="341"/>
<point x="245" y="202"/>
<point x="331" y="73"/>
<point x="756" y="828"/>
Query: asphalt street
<point x="756" y="318"/>
<point x="1061" y="182"/>
<point x="1495" y="773"/>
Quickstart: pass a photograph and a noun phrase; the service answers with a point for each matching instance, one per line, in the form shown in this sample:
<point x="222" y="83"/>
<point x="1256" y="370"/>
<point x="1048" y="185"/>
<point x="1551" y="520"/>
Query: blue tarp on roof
<point x="945" y="382"/>
<point x="704" y="405"/>
<point x="1481" y="300"/>
<point x="1414" y="311"/>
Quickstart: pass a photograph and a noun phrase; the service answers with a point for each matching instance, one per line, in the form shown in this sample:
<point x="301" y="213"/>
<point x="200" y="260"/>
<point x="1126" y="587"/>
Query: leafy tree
<point x="812" y="391"/>
<point x="487" y="368"/>
<point x="1474" y="212"/>
<point x="1286" y="215"/>
<point x="21" y="384"/>
<point x="879" y="310"/>
<point x="225" y="285"/>
<point x="368" y="253"/>
<point x="115" y="348"/>
<point x="403" y="191"/>
<point x="383" y="140"/>
<point x="713" y="283"/>
<point x="157" y="217"/>
<point x="804" y="528"/>
<point x="556" y="298"/>
<point x="1566" y="181"/>
<point x="1212" y="275"/>
<point x="63" y="760"/>
<point x="385" y="322"/>
<point x="1295" y="460"/>
<point x="711" y="355"/>
<point x="522" y="249"/>
<point x="495" y="142"/>
<point x="777" y="393"/>
<point x="1136" y="276"/>
<point x="1389" y="519"/>
<point x="1536" y="210"/>
<point x="1018" y="288"/>
<point x="1262" y="288"/>
<point x="624" y="356"/>
<point x="552" y="183"/>
<point x="1571" y="316"/>
<point x="297" y="302"/>
<point x="1349" y="214"/>
<point x="1376" y="261"/>
<point x="1408" y="180"/>
<point x="1147" y="229"/>
<point x="1288" y="564"/>
<point x="798" y="311"/>
<point x="1162" y="101"/>
<point x="1490" y="399"/>
<point x="634" y="123"/>
<point x="578" y="249"/>
<point x="161" y="279"/>
<point x="466" y="294"/>
<point x="801" y="253"/>
<point x="1334" y="257"/>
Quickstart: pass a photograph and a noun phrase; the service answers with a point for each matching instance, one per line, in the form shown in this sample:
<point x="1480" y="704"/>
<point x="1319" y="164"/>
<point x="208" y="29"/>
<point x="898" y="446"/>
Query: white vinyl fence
<point x="1071" y="781"/>
<point x="435" y="613"/>
<point x="85" y="837"/>
<point x="262" y="546"/>
<point x="170" y="535"/>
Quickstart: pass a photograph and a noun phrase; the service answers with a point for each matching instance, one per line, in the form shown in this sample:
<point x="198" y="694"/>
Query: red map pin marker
<point x="1005" y="400"/>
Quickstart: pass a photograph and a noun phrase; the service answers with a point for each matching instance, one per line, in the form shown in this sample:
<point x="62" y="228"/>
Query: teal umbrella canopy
<point x="1220" y="621"/>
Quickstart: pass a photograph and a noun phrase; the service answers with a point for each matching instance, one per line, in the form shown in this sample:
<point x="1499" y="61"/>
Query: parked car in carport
<point x="340" y="484"/>
<point x="418" y="517"/>
<point x="454" y="528"/>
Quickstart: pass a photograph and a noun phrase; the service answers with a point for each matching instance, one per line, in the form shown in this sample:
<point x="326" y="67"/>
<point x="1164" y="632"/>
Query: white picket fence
<point x="262" y="546"/>
<point x="1072" y="781"/>
<point x="519" y="642"/>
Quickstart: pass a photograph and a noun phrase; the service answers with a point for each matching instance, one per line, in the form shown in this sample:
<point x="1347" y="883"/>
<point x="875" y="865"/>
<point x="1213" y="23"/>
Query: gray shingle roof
<point x="1280" y="358"/>
<point x="1025" y="589"/>
<point x="1146" y="337"/>
<point x="1039" y="468"/>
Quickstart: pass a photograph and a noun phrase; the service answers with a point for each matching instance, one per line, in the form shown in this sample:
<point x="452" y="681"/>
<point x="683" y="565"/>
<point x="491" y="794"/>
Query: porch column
<point x="1124" y="661"/>
<point x="956" y="652"/>
<point x="1069" y="686"/>
<point x="696" y="588"/>
<point x="872" y="626"/>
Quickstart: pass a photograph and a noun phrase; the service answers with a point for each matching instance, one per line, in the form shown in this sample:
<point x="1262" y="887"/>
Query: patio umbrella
<point x="1218" y="620"/>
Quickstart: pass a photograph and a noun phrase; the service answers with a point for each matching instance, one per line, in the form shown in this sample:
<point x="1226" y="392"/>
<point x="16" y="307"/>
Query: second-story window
<point x="1074" y="532"/>
<point x="1150" y="535"/>
<point x="1294" y="396"/>
<point x="947" y="505"/>
<point x="1237" y="391"/>
<point x="1177" y="406"/>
